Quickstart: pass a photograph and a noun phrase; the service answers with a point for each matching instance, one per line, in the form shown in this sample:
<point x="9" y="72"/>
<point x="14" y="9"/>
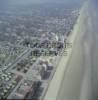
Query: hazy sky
<point x="4" y="4"/>
<point x="36" y="1"/>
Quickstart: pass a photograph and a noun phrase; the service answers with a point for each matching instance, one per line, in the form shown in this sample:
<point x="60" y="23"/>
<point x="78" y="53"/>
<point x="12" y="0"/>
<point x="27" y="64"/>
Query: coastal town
<point x="32" y="41"/>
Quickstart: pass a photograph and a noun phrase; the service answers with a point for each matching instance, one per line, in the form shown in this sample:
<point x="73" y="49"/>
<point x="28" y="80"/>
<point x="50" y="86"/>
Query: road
<point x="80" y="81"/>
<point x="19" y="58"/>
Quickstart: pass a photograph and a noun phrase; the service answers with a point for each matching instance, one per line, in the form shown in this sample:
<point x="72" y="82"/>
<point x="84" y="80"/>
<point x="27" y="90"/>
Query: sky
<point x="5" y="4"/>
<point x="37" y="1"/>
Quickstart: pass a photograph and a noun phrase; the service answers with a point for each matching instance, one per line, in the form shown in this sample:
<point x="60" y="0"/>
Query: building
<point x="24" y="90"/>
